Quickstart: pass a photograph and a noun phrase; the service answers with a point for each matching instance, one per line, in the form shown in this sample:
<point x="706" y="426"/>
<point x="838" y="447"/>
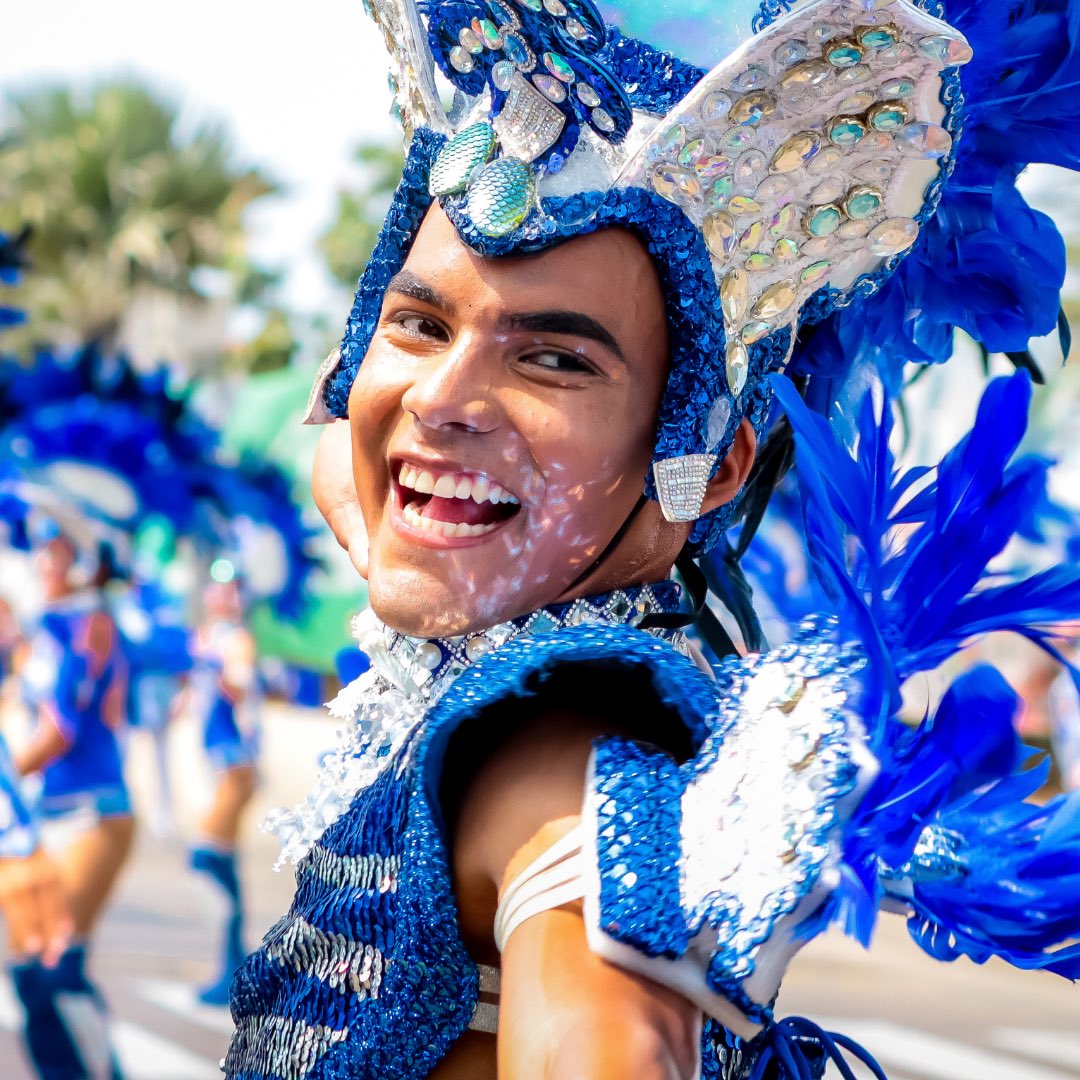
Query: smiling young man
<point x="549" y="817"/>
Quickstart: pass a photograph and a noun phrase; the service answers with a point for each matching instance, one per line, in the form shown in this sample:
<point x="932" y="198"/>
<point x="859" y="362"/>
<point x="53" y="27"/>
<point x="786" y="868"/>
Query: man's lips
<point x="451" y="504"/>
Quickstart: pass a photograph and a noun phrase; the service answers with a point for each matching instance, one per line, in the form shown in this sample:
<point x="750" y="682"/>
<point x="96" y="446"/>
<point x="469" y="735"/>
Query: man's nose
<point x="456" y="387"/>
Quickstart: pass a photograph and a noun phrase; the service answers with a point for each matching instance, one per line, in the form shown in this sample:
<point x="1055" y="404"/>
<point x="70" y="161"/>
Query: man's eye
<point x="558" y="361"/>
<point x="420" y="326"/>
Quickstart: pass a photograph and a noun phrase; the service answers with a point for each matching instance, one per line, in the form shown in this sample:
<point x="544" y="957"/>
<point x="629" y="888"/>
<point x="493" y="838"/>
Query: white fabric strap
<point x="555" y="878"/>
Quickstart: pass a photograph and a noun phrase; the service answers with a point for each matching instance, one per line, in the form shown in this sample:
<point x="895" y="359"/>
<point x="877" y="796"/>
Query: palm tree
<point x="122" y="206"/>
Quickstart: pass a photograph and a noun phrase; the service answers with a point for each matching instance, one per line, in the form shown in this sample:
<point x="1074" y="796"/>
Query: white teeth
<point x="444" y="487"/>
<point x="479" y="488"/>
<point x="443" y="528"/>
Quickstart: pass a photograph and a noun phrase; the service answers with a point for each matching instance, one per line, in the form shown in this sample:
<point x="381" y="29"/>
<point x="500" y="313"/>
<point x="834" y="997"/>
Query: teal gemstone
<point x="878" y="37"/>
<point x="559" y="67"/>
<point x="490" y="33"/>
<point x="823" y="220"/>
<point x="843" y="54"/>
<point x="460" y="158"/>
<point x="533" y="5"/>
<point x="888" y="116"/>
<point x="720" y="192"/>
<point x="846" y="130"/>
<point x="862" y="203"/>
<point x="501" y="196"/>
<point x="517" y="51"/>
<point x="899" y="88"/>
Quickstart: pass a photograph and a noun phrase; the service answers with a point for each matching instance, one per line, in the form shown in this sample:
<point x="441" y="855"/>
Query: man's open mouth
<point x="453" y="504"/>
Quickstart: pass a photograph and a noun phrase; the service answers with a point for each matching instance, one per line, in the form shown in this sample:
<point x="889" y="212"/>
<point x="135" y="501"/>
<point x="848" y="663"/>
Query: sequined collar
<point x="426" y="666"/>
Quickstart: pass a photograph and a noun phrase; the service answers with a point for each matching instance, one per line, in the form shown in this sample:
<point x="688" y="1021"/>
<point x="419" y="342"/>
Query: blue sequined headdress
<point x="780" y="189"/>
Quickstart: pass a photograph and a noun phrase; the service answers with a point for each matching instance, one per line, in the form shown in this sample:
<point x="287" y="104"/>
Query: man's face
<point x="503" y="423"/>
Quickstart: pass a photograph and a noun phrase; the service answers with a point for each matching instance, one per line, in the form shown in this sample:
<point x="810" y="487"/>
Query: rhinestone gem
<point x="503" y="14"/>
<point x="743" y="206"/>
<point x="924" y="140"/>
<point x="718" y="194"/>
<point x="898" y="88"/>
<point x="809" y="73"/>
<point x="532" y="5"/>
<point x="556" y="8"/>
<point x="428" y="655"/>
<point x="462" y="60"/>
<point x="603" y="120"/>
<point x="945" y="50"/>
<point x="502" y="74"/>
<point x="853" y="230"/>
<point x="753" y="108"/>
<point x="773" y="189"/>
<point x="897" y="53"/>
<point x="823" y="32"/>
<point x="759" y="261"/>
<point x="874" y="170"/>
<point x="576" y="30"/>
<point x="490" y="33"/>
<point x="888" y="115"/>
<point x="829" y="190"/>
<point x="862" y="202"/>
<point x="786" y="249"/>
<point x="797" y="102"/>
<point x="751" y="166"/>
<point x="719" y="232"/>
<point x="468" y="40"/>
<point x="518" y="51"/>
<point x="791" y="52"/>
<point x="816" y="247"/>
<point x="738" y="366"/>
<point x="815" y="272"/>
<point x="734" y="295"/>
<point x="796" y="152"/>
<point x="691" y="153"/>
<point x="781" y="221"/>
<point x="826" y="160"/>
<point x="854" y="75"/>
<point x="587" y="95"/>
<point x="843" y="53"/>
<point x="460" y="158"/>
<point x="876" y="142"/>
<point x="774" y="301"/>
<point x="822" y="220"/>
<point x="559" y="67"/>
<point x="550" y="87"/>
<point x="501" y="196"/>
<point x="893" y="236"/>
<point x="712" y="166"/>
<point x="857" y="102"/>
<point x="477" y="646"/>
<point x="877" y="37"/>
<point x="845" y="130"/>
<point x="737" y="139"/>
<point x="754" y="331"/>
<point x="750" y="79"/>
<point x="751" y="237"/>
<point x="673" y="141"/>
<point x="715" y="106"/>
<point x="675" y="184"/>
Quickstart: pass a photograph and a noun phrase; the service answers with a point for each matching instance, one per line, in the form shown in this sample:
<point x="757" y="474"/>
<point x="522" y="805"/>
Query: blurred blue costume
<point x="832" y="200"/>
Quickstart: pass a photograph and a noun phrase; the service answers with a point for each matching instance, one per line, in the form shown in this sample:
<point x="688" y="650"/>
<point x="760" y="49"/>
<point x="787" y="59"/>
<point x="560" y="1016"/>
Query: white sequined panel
<point x="756" y="816"/>
<point x="804" y="156"/>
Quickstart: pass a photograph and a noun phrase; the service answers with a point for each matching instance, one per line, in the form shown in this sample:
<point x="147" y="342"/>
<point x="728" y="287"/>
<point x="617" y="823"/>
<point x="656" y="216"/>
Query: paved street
<point x="923" y="1020"/>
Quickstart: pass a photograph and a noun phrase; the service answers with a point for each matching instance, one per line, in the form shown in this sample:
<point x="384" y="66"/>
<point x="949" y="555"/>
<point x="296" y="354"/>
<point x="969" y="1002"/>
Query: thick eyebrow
<point x="569" y="323"/>
<point x="408" y="284"/>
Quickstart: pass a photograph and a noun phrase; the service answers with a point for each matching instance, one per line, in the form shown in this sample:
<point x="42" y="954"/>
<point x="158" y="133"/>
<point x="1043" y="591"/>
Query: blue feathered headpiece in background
<point x="87" y="439"/>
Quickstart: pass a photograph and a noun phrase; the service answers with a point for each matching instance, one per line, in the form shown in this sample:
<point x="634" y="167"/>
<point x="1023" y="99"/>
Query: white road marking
<point x="936" y="1057"/>
<point x="146" y="1056"/>
<point x="1057" y="1047"/>
<point x="180" y="998"/>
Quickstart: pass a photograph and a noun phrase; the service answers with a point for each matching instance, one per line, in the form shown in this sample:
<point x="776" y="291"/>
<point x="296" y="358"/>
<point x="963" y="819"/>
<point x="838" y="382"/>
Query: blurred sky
<point x="297" y="83"/>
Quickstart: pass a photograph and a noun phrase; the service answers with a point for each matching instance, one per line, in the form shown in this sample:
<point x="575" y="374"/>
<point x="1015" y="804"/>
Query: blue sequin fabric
<point x="366" y="976"/>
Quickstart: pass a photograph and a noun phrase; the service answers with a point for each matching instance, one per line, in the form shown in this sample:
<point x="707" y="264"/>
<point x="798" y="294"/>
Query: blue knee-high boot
<point x="66" y="1030"/>
<point x="220" y="867"/>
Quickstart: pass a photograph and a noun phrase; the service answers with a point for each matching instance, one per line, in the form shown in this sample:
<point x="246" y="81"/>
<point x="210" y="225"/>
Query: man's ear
<point x="733" y="471"/>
